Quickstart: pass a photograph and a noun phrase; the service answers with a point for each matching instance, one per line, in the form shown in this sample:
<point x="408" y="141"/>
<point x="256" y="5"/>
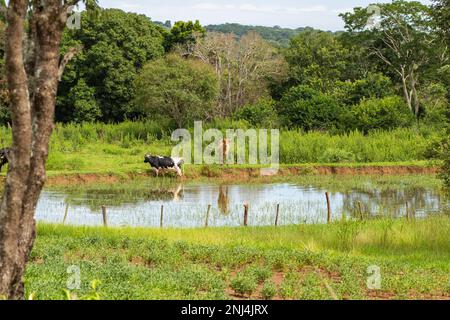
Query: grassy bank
<point x="119" y="149"/>
<point x="297" y="262"/>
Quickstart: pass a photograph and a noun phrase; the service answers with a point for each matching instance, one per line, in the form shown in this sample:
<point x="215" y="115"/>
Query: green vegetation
<point x="276" y="35"/>
<point x="297" y="262"/>
<point x="183" y="33"/>
<point x="359" y="79"/>
<point x="97" y="84"/>
<point x="104" y="148"/>
<point x="362" y="97"/>
<point x="182" y="89"/>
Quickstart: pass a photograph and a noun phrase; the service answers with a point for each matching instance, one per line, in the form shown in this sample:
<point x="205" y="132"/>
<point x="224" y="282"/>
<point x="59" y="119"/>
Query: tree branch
<point x="66" y="59"/>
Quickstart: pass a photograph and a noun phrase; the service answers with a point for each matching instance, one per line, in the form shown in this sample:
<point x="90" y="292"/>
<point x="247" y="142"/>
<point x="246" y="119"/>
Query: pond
<point x="186" y="205"/>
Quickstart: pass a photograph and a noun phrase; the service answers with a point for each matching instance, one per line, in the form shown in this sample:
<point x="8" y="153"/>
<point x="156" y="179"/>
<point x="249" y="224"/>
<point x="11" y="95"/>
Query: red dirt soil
<point x="242" y="174"/>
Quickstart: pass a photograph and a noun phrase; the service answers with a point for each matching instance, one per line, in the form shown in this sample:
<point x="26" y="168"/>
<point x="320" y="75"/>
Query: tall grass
<point x="129" y="138"/>
<point x="378" y="146"/>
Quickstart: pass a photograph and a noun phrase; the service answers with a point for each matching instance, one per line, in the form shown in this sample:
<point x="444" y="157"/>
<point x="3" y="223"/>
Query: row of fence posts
<point x="409" y="215"/>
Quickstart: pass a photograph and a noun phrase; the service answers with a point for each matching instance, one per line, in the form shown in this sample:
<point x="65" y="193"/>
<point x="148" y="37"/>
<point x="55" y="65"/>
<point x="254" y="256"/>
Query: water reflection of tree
<point x="224" y="200"/>
<point x="94" y="198"/>
<point x="388" y="202"/>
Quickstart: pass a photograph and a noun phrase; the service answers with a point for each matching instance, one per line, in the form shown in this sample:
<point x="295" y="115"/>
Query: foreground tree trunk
<point x="32" y="75"/>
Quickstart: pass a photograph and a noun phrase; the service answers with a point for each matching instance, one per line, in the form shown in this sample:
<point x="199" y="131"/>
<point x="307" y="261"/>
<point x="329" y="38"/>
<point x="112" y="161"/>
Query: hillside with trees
<point x="309" y="80"/>
<point x="275" y="35"/>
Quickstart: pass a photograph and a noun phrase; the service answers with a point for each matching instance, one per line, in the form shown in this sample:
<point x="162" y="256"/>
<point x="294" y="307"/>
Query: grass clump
<point x="244" y="285"/>
<point x="269" y="290"/>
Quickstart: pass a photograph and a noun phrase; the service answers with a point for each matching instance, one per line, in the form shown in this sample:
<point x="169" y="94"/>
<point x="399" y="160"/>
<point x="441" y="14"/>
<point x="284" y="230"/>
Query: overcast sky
<point x="321" y="14"/>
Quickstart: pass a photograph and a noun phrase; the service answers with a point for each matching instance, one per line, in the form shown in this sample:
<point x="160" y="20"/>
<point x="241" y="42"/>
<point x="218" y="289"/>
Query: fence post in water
<point x="105" y="217"/>
<point x="407" y="211"/>
<point x="161" y="220"/>
<point x="66" y="213"/>
<point x="360" y="210"/>
<point x="245" y="215"/>
<point x="207" y="216"/>
<point x="278" y="215"/>
<point x="327" y="195"/>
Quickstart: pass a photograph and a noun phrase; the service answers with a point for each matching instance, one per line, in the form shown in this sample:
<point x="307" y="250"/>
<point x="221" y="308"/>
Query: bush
<point x="261" y="114"/>
<point x="374" y="85"/>
<point x="387" y="113"/>
<point x="81" y="104"/>
<point x="244" y="285"/>
<point x="334" y="155"/>
<point x="269" y="290"/>
<point x="435" y="105"/>
<point x="309" y="109"/>
<point x="183" y="89"/>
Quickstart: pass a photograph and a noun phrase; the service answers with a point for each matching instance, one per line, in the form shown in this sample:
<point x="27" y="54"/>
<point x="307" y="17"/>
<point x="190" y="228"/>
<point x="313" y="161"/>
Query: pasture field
<point x="297" y="262"/>
<point x="119" y="149"/>
<point x="291" y="262"/>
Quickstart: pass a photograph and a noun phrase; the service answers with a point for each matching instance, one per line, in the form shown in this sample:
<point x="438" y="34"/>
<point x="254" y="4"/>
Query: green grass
<point x="119" y="148"/>
<point x="296" y="262"/>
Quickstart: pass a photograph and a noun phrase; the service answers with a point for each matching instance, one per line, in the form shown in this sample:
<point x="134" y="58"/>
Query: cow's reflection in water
<point x="224" y="200"/>
<point x="174" y="194"/>
<point x="177" y="193"/>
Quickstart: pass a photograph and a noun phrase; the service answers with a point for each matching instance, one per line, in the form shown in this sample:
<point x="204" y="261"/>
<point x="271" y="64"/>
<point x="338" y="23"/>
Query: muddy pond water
<point x="186" y="205"/>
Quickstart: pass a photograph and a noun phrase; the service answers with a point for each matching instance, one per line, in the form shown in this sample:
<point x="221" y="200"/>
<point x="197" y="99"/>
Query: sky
<point x="320" y="14"/>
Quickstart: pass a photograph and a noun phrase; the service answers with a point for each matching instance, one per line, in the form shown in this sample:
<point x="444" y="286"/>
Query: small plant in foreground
<point x="261" y="273"/>
<point x="92" y="295"/>
<point x="243" y="285"/>
<point x="269" y="290"/>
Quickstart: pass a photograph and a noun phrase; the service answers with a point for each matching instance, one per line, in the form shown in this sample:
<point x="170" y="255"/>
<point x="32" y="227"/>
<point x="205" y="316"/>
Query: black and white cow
<point x="4" y="157"/>
<point x="164" y="163"/>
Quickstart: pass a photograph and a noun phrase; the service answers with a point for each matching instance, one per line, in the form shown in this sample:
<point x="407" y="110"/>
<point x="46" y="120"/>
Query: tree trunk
<point x="32" y="85"/>
<point x="405" y="89"/>
<point x="415" y="102"/>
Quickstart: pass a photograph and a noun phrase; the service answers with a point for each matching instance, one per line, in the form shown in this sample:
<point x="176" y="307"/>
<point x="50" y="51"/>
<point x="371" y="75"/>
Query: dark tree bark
<point x="32" y="63"/>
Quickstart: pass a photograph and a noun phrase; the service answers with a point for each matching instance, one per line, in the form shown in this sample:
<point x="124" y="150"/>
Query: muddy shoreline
<point x="242" y="174"/>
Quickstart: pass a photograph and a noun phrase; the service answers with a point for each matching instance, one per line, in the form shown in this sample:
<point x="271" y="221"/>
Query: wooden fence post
<point x="105" y="216"/>
<point x="278" y="215"/>
<point x="207" y="216"/>
<point x="245" y="215"/>
<point x="407" y="211"/>
<point x="329" y="207"/>
<point x="360" y="210"/>
<point x="161" y="220"/>
<point x="66" y="213"/>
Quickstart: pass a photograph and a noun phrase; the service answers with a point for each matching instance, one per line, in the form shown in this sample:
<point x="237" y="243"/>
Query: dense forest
<point x="125" y="66"/>
<point x="276" y="35"/>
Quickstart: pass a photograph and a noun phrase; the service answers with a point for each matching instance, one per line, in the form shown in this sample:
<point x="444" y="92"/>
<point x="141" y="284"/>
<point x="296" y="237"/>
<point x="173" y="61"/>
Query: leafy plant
<point x="269" y="290"/>
<point x="244" y="285"/>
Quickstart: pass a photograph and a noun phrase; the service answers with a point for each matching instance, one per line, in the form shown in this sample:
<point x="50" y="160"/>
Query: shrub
<point x="260" y="273"/>
<point x="435" y="105"/>
<point x="260" y="114"/>
<point x="309" y="109"/>
<point x="244" y="285"/>
<point x="387" y="113"/>
<point x="374" y="85"/>
<point x="334" y="155"/>
<point x="183" y="89"/>
<point x="269" y="290"/>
